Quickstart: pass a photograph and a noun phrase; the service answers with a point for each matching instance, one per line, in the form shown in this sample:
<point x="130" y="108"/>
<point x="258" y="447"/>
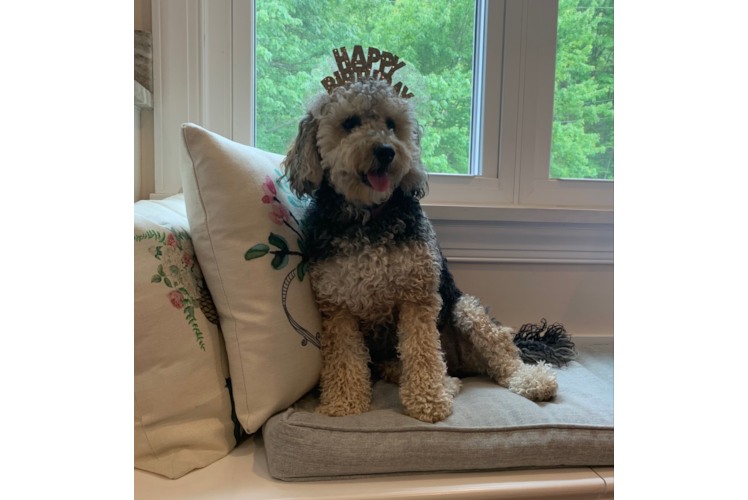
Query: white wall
<point x="579" y="296"/>
<point x="147" y="182"/>
<point x="143" y="15"/>
<point x="144" y="162"/>
<point x="136" y="121"/>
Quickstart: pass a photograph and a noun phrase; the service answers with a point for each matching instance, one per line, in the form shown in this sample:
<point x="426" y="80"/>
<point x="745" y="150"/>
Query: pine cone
<point x="207" y="306"/>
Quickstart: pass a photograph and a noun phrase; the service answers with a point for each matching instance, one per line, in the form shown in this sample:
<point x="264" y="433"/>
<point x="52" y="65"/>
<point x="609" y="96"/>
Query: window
<point x="295" y="39"/>
<point x="515" y="96"/>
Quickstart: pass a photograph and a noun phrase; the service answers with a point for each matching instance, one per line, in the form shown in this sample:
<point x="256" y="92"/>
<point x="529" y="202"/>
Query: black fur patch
<point x="449" y="292"/>
<point x="326" y="221"/>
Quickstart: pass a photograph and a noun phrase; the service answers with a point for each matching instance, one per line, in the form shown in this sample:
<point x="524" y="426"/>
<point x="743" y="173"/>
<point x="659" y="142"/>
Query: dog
<point x="389" y="305"/>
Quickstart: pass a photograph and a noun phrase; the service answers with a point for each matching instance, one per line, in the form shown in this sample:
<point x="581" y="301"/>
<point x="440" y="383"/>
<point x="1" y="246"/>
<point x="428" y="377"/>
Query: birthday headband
<point x="361" y="67"/>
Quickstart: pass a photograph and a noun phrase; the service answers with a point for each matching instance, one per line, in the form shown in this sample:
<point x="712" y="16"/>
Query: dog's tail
<point x="543" y="342"/>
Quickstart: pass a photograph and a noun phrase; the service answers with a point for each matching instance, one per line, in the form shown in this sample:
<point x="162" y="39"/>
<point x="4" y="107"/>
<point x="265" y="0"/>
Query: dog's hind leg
<point x="390" y="371"/>
<point x="496" y="346"/>
<point x="345" y="379"/>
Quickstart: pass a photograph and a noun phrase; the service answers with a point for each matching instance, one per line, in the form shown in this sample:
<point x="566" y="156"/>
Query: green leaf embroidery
<point x="161" y="270"/>
<point x="258" y="250"/>
<point x="184" y="291"/>
<point x="174" y="270"/>
<point x="185" y="302"/>
<point x="168" y="283"/>
<point x="278" y="241"/>
<point x="300" y="271"/>
<point x="302" y="245"/>
<point x="158" y="253"/>
<point x="155" y="278"/>
<point x="279" y="262"/>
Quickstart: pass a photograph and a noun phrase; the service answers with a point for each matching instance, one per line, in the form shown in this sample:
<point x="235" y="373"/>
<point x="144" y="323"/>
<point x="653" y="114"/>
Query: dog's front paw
<point x="342" y="408"/>
<point x="430" y="411"/>
<point x="430" y="406"/>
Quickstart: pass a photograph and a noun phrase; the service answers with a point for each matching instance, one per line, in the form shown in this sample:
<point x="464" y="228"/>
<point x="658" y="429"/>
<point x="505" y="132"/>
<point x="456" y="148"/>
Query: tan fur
<point x="496" y="346"/>
<point x="390" y="371"/>
<point x="378" y="284"/>
<point x="345" y="377"/>
<point x="322" y="145"/>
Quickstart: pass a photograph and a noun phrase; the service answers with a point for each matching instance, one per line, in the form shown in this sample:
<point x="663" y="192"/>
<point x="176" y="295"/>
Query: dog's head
<point x="364" y="139"/>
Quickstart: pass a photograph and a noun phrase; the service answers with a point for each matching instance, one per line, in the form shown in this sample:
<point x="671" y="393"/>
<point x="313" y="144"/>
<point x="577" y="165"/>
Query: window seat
<point x="244" y="474"/>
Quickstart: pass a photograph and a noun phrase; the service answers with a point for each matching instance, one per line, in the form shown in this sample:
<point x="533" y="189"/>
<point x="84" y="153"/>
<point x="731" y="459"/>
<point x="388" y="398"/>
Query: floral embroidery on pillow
<point x="180" y="272"/>
<point x="281" y="216"/>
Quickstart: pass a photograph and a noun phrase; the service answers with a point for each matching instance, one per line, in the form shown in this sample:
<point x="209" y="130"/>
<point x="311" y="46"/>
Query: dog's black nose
<point x="384" y="153"/>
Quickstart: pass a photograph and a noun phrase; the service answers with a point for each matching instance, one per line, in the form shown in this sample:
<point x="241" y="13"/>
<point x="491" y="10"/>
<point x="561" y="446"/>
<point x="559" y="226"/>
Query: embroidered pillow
<point x="247" y="231"/>
<point x="182" y="397"/>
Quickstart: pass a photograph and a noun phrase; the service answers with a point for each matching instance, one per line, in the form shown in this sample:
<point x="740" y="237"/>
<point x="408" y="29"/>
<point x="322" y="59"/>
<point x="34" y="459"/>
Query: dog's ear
<point x="416" y="181"/>
<point x="302" y="164"/>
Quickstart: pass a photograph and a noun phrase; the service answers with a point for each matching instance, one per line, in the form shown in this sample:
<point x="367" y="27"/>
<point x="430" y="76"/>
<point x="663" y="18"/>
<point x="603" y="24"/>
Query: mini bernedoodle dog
<point x="388" y="303"/>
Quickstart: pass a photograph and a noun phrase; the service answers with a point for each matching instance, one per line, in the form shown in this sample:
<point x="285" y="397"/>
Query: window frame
<point x="536" y="187"/>
<point x="203" y="65"/>
<point x="519" y="64"/>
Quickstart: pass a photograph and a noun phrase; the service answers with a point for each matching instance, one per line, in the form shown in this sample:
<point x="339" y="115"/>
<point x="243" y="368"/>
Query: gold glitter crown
<point x="361" y="67"/>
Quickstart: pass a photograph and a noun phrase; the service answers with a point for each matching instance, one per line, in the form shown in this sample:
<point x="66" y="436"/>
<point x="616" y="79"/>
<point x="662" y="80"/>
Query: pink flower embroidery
<point x="269" y="189"/>
<point x="171" y="241"/>
<point x="176" y="297"/>
<point x="279" y="214"/>
<point x="187" y="258"/>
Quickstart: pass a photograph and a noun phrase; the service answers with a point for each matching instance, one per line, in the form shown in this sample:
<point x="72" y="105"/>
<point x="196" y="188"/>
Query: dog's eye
<point x="351" y="123"/>
<point x="390" y="124"/>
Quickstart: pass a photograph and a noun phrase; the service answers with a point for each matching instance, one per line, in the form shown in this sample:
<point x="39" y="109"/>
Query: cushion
<point x="246" y="228"/>
<point x="491" y="428"/>
<point x="182" y="400"/>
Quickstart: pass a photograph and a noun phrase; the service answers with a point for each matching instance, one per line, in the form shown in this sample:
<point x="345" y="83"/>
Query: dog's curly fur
<point x="387" y="299"/>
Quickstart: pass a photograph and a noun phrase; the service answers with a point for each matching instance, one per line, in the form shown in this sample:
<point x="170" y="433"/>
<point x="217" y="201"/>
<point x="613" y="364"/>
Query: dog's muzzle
<point x="377" y="178"/>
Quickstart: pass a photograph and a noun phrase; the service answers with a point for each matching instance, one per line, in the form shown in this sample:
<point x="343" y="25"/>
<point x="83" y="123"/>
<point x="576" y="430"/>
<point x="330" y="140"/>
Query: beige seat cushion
<point x="491" y="428"/>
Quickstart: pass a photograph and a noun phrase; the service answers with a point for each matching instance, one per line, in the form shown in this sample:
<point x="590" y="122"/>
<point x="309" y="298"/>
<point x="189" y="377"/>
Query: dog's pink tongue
<point x="379" y="182"/>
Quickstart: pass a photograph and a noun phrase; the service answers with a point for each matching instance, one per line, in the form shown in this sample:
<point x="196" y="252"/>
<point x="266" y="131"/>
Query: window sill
<point x="448" y="212"/>
<point x="523" y="235"/>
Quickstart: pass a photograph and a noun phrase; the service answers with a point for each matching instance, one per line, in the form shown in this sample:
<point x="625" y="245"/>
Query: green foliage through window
<point x="583" y="105"/>
<point x="295" y="39"/>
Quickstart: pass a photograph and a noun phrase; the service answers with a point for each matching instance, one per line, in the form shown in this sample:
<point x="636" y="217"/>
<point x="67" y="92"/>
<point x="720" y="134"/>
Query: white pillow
<point x="246" y="227"/>
<point x="182" y="400"/>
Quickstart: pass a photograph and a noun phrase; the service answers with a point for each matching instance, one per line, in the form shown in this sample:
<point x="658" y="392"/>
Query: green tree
<point x="583" y="105"/>
<point x="295" y="38"/>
